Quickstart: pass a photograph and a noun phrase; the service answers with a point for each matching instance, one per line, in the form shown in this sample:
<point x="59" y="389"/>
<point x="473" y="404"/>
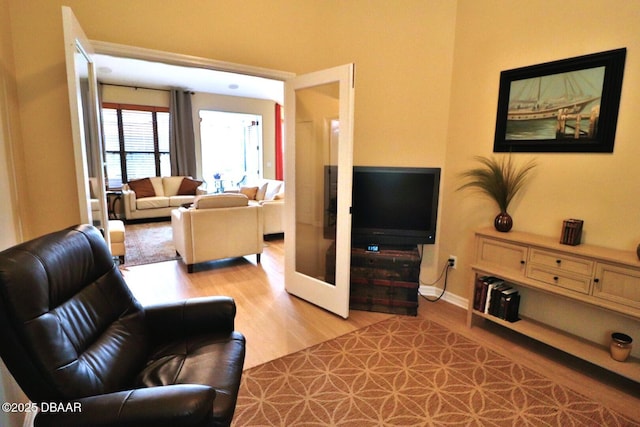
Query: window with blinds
<point x="136" y="141"/>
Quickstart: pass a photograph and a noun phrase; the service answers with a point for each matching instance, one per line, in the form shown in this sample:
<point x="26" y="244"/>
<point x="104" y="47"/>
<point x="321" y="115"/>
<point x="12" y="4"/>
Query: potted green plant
<point x="500" y="179"/>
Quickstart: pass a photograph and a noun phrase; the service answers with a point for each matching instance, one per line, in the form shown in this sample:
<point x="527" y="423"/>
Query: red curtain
<point x="279" y="148"/>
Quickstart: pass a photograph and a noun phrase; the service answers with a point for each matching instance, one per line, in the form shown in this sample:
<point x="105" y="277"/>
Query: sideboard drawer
<point x="561" y="262"/>
<point x="564" y="280"/>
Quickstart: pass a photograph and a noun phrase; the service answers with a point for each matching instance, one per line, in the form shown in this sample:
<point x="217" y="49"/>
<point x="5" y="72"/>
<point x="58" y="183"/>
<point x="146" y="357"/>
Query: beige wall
<point x="10" y="149"/>
<point x="134" y="96"/>
<point x="10" y="172"/>
<point x="601" y="189"/>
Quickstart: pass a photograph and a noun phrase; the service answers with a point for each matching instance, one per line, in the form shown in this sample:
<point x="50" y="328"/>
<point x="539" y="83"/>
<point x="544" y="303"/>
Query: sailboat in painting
<point x="570" y="105"/>
<point x="543" y="97"/>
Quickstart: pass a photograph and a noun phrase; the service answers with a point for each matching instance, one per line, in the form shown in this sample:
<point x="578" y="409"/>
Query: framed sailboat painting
<point x="570" y="105"/>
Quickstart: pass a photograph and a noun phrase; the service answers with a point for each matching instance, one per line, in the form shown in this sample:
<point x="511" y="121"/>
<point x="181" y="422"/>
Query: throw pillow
<point x="188" y="187"/>
<point x="250" y="192"/>
<point x="262" y="191"/>
<point x="272" y="191"/>
<point x="142" y="187"/>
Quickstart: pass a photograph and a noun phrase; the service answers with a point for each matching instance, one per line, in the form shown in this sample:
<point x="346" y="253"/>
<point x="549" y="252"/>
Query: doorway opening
<point x="231" y="148"/>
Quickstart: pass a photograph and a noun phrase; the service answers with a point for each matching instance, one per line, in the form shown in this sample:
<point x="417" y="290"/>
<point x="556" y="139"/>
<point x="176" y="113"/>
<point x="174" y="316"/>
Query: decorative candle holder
<point x="620" y="346"/>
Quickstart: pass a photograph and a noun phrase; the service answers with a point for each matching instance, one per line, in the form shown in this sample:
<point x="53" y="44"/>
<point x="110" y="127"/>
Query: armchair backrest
<point x="224" y="200"/>
<point x="210" y="233"/>
<point x="69" y="326"/>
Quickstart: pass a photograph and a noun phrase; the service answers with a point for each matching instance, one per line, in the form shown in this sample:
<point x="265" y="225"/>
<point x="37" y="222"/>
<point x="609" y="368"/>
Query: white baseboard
<point x="433" y="292"/>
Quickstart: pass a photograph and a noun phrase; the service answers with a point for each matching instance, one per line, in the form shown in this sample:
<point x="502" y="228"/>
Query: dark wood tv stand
<point x="385" y="281"/>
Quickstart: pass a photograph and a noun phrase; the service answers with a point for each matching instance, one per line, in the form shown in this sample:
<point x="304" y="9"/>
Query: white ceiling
<point x="156" y="75"/>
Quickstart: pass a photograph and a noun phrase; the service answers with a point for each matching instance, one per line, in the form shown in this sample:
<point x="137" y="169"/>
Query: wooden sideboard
<point x="586" y="274"/>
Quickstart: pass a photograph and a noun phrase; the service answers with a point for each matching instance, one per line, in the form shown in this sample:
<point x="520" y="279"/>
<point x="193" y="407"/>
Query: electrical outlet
<point x="453" y="261"/>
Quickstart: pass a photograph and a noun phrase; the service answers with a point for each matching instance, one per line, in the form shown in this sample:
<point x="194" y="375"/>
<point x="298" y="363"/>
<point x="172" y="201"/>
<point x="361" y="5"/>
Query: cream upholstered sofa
<point x="156" y="197"/>
<point x="96" y="211"/>
<point x="268" y="193"/>
<point x="217" y="226"/>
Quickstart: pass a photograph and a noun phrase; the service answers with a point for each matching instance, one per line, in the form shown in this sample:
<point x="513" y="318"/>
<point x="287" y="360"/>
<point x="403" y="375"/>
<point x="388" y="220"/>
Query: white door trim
<point x="134" y="52"/>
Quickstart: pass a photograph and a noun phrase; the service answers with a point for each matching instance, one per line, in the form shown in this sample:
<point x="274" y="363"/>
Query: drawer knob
<point x="522" y="262"/>
<point x="596" y="280"/>
<point x="558" y="261"/>
<point x="555" y="278"/>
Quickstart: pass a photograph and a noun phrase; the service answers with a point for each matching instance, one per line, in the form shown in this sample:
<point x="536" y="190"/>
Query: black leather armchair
<point x="71" y="332"/>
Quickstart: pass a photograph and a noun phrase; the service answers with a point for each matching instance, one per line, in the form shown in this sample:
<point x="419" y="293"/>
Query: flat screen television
<point x="394" y="206"/>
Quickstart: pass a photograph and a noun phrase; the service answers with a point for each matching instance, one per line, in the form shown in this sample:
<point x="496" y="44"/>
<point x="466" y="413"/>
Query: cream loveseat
<point x="268" y="193"/>
<point x="217" y="226"/>
<point x="156" y="197"/>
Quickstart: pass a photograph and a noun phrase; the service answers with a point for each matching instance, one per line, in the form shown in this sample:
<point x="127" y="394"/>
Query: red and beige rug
<point x="408" y="371"/>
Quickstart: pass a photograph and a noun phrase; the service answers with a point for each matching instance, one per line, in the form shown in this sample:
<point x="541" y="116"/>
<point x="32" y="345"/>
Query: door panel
<point x="318" y="172"/>
<point x="85" y="124"/>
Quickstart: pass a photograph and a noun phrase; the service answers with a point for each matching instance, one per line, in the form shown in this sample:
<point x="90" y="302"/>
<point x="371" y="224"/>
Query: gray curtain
<point x="181" y="136"/>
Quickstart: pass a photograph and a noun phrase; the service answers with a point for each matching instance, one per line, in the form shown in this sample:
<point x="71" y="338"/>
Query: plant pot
<point x="503" y="222"/>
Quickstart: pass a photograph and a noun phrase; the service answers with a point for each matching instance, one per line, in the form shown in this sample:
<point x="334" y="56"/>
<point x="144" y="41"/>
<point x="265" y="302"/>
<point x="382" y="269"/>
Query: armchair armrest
<point x="272" y="202"/>
<point x="192" y="316"/>
<point x="129" y="199"/>
<point x="172" y="405"/>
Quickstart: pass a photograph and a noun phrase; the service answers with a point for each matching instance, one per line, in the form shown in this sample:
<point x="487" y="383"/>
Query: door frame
<point x="134" y="52"/>
<point x="345" y="175"/>
<point x="76" y="41"/>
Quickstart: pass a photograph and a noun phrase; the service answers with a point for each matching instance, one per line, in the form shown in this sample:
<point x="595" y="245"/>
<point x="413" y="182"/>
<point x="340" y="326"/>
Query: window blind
<point x="136" y="143"/>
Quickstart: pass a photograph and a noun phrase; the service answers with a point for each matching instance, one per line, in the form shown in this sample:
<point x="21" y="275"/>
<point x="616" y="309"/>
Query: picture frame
<point x="570" y="105"/>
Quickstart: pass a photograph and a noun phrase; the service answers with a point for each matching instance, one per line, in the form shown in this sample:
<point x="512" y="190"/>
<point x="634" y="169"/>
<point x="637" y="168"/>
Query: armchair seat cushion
<point x="188" y="361"/>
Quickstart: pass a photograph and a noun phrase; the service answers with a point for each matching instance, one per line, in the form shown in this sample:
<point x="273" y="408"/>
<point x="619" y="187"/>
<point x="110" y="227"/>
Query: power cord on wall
<point x="445" y="273"/>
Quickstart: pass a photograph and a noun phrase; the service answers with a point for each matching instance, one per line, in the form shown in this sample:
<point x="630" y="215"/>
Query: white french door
<point x="85" y="124"/>
<point x="318" y="173"/>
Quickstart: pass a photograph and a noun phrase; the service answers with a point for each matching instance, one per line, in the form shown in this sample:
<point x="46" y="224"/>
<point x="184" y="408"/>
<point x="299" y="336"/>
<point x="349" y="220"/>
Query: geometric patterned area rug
<point x="148" y="242"/>
<point x="408" y="371"/>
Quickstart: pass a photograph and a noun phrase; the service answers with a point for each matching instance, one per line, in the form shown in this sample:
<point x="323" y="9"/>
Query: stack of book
<point x="493" y="296"/>
<point x="571" y="232"/>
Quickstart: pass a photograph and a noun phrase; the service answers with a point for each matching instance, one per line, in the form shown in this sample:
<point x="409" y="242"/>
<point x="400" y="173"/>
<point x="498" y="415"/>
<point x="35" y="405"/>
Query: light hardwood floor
<point x="276" y="323"/>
